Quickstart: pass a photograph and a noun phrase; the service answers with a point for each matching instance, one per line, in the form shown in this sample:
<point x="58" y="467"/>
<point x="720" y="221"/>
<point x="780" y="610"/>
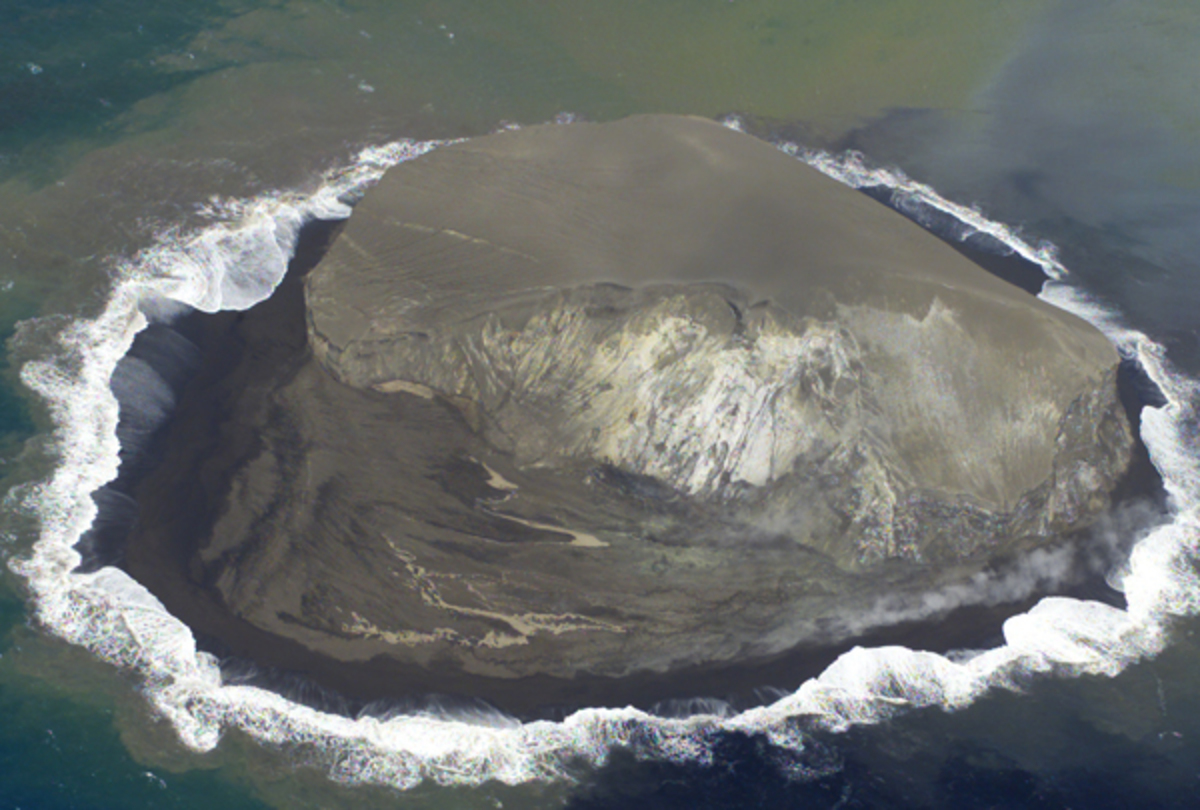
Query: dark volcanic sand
<point x="201" y="448"/>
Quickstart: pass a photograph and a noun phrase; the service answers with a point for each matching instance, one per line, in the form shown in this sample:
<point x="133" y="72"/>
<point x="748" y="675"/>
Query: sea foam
<point x="239" y="258"/>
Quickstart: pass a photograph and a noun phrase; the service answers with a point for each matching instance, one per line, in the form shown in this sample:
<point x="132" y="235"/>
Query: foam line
<point x="851" y="168"/>
<point x="238" y="258"/>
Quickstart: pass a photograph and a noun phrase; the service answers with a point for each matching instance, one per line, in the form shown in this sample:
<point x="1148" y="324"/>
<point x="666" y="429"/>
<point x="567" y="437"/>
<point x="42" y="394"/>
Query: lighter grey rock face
<point x="685" y="304"/>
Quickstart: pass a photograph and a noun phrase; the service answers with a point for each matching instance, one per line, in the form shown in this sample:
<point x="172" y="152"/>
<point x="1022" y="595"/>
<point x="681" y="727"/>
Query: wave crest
<point x="239" y="258"/>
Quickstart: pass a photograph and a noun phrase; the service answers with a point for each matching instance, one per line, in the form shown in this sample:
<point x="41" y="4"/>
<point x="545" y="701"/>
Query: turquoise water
<point x="71" y="69"/>
<point x="57" y="751"/>
<point x="1076" y="122"/>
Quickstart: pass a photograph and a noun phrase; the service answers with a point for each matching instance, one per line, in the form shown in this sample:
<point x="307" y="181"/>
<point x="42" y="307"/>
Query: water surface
<point x="125" y="128"/>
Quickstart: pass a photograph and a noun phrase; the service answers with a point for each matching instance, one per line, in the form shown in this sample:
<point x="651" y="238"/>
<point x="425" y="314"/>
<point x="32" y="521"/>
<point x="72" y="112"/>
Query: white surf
<point x="237" y="261"/>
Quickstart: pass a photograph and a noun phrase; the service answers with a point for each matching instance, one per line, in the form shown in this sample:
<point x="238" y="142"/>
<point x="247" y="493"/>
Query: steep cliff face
<point x="683" y="303"/>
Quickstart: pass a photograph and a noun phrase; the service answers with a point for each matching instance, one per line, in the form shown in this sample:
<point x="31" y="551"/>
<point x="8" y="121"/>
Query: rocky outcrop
<point x="606" y="399"/>
<point x="685" y="304"/>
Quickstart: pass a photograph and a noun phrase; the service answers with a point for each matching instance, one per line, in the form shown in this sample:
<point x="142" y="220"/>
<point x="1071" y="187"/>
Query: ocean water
<point x="156" y="156"/>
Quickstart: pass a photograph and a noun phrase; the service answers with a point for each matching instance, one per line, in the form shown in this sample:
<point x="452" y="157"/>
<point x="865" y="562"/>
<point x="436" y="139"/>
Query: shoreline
<point x="178" y="506"/>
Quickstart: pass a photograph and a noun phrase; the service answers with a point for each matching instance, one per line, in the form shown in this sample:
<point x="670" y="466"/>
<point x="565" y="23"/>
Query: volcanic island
<point x="581" y="404"/>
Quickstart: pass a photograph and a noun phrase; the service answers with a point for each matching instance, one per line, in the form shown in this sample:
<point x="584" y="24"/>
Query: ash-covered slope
<point x="638" y="396"/>
<point x="685" y="303"/>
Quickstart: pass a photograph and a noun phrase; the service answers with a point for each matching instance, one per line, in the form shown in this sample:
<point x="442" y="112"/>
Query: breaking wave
<point x="238" y="259"/>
